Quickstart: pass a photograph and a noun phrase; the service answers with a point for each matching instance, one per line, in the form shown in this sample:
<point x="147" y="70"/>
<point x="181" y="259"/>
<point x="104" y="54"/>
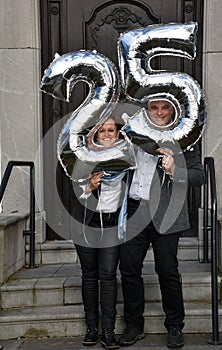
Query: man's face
<point x="160" y="112"/>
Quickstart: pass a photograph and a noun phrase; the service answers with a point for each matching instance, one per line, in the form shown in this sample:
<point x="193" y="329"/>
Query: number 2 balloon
<point x="102" y="77"/>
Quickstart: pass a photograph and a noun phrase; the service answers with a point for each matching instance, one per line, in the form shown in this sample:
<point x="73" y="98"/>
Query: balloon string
<point x="163" y="178"/>
<point x="101" y="222"/>
<point x="101" y="215"/>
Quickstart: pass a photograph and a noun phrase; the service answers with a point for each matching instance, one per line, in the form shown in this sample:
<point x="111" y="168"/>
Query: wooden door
<point x="71" y="25"/>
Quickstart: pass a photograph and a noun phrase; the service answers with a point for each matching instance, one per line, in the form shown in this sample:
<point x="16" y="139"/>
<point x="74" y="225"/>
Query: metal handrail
<point x="31" y="231"/>
<point x="213" y="228"/>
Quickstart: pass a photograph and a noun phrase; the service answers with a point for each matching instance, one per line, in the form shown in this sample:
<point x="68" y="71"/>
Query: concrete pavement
<point x="151" y="342"/>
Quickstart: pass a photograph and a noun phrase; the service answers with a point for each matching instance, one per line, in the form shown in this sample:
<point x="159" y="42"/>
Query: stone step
<point x="68" y="321"/>
<point x="46" y="301"/>
<point x="63" y="252"/>
<point x="51" y="285"/>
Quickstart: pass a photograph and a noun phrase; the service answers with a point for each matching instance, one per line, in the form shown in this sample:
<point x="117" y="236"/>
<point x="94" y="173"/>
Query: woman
<point x="98" y="208"/>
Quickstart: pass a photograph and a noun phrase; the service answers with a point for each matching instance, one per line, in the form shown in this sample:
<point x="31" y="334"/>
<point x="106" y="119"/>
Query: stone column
<point x="212" y="75"/>
<point x="21" y="119"/>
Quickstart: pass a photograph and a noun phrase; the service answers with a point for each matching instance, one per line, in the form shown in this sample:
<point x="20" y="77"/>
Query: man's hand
<point x="167" y="160"/>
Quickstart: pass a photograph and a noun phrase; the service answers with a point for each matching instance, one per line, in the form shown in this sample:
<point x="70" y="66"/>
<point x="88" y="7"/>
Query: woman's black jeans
<point x="99" y="283"/>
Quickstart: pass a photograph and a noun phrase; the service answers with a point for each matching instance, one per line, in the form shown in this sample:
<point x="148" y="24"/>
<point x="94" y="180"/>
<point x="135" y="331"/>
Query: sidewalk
<point x="151" y="342"/>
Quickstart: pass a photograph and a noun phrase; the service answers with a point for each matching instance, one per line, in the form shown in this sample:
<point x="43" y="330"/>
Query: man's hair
<point x="160" y="99"/>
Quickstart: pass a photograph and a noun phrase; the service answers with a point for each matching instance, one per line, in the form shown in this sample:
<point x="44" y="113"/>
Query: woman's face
<point x="160" y="112"/>
<point x="107" y="133"/>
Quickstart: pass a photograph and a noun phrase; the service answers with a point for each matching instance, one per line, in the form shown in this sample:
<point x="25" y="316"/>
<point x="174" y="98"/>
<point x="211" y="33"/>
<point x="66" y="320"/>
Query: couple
<point x="156" y="213"/>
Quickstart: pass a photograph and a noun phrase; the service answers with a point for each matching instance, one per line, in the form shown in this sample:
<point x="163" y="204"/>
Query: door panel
<point x="71" y="25"/>
<point x="109" y="22"/>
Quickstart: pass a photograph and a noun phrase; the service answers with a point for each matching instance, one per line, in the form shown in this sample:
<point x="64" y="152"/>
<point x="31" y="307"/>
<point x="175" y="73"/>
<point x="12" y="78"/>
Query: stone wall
<point x="12" y="243"/>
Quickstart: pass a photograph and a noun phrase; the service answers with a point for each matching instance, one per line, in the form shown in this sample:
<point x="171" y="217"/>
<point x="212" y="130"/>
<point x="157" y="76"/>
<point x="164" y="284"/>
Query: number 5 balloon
<point x="103" y="80"/>
<point x="141" y="83"/>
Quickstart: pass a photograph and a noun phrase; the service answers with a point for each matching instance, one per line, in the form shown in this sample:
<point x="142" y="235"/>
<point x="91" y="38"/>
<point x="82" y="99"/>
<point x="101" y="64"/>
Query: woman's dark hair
<point x="118" y="122"/>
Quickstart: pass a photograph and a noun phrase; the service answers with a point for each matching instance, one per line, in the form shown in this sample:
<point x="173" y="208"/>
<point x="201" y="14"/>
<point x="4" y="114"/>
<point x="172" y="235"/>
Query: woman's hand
<point x="94" y="183"/>
<point x="167" y="160"/>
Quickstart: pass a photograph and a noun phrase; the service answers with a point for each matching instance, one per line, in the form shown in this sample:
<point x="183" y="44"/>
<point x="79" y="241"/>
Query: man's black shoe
<point x="130" y="336"/>
<point x="108" y="340"/>
<point x="91" y="336"/>
<point x="175" y="337"/>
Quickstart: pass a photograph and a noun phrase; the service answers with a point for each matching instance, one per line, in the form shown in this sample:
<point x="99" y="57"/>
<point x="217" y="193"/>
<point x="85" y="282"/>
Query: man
<point x="157" y="212"/>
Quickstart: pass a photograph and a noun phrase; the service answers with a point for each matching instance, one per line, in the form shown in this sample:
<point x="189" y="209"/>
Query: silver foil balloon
<point x="103" y="80"/>
<point x="141" y="83"/>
